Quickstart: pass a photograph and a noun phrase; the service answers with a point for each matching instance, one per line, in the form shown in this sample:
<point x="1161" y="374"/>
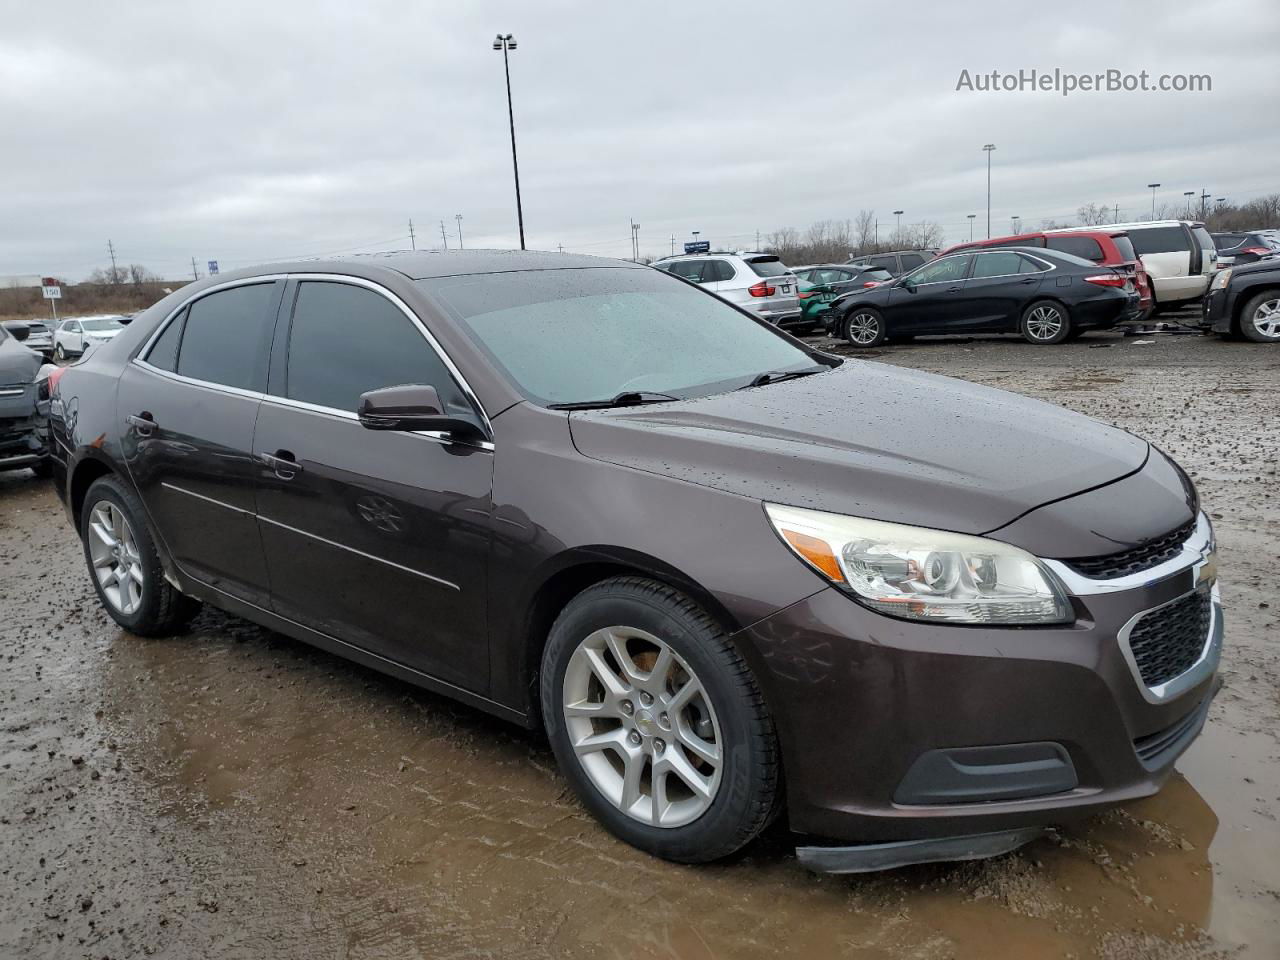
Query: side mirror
<point x="413" y="406"/>
<point x="907" y="285"/>
<point x="17" y="329"/>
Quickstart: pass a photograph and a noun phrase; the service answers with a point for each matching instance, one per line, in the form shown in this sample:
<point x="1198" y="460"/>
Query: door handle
<point x="1028" y="280"/>
<point x="283" y="463"/>
<point x="954" y="289"/>
<point x="143" y="422"/>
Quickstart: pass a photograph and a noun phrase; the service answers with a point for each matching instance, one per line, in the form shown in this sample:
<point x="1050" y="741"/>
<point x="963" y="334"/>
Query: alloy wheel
<point x="114" y="553"/>
<point x="863" y="328"/>
<point x="1266" y="319"/>
<point x="1044" y="323"/>
<point x="641" y="724"/>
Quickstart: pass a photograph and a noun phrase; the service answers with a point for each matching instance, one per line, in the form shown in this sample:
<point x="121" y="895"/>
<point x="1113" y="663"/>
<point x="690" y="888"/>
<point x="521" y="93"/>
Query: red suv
<point x="1104" y="247"/>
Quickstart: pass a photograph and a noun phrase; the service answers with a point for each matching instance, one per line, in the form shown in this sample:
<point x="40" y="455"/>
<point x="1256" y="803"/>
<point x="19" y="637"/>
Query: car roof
<point x="1132" y="225"/>
<point x="426" y="264"/>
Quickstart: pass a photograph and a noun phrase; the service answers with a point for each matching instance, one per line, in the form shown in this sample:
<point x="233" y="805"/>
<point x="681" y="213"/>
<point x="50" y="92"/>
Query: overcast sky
<point x="256" y="131"/>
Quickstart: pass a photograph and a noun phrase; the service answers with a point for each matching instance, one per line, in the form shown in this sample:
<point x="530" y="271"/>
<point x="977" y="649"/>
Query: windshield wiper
<point x="628" y="398"/>
<point x="777" y="376"/>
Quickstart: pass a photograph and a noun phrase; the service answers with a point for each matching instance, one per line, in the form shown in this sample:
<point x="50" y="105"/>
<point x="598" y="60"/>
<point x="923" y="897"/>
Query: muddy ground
<point x="233" y="793"/>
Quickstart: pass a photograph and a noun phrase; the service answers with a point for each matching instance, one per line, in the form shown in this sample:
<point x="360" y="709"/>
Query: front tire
<point x="863" y="327"/>
<point x="125" y="566"/>
<point x="59" y="354"/>
<point x="658" y="723"/>
<point x="1260" y="319"/>
<point x="1045" y="323"/>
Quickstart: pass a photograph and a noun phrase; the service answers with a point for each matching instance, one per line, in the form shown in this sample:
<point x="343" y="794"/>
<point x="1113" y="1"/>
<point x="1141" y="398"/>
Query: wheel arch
<point x="573" y="572"/>
<point x="1243" y="298"/>
<point x="90" y="467"/>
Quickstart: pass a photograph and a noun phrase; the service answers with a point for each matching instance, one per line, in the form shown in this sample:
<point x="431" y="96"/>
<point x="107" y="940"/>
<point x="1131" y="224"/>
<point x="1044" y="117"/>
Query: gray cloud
<point x="245" y="132"/>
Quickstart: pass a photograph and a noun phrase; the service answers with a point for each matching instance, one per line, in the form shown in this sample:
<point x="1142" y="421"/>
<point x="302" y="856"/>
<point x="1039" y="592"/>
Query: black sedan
<point x="1046" y="296"/>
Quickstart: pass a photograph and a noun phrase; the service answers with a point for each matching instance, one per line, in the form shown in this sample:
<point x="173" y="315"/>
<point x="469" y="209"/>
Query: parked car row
<point x="758" y="282"/>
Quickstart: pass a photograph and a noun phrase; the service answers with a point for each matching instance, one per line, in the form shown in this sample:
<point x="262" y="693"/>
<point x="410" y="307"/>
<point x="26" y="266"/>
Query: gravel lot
<point x="232" y="793"/>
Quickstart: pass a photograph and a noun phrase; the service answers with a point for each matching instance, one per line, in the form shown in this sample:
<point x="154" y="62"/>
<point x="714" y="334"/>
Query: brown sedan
<point x="732" y="577"/>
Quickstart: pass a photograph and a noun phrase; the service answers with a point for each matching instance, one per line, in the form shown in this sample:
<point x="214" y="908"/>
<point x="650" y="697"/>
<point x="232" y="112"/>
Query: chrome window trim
<point x="1198" y="550"/>
<point x="416" y="321"/>
<point x="361" y="553"/>
<point x="434" y="435"/>
<point x="138" y="357"/>
<point x="145" y="349"/>
<point x="1205" y="664"/>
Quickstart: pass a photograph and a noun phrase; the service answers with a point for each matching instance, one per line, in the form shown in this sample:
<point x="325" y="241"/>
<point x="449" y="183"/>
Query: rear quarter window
<point x="1124" y="246"/>
<point x="1085" y="247"/>
<point x="1160" y="240"/>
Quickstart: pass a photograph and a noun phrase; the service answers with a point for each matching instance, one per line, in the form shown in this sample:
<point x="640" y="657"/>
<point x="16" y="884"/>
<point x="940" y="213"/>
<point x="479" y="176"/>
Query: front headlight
<point x="1220" y="279"/>
<point x="923" y="574"/>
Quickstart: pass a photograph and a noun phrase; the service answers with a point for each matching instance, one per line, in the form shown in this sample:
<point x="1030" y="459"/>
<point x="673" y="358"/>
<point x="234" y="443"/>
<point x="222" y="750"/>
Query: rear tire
<point x="863" y="327"/>
<point x="1260" y="318"/>
<point x="124" y="565"/>
<point x="1045" y="323"/>
<point x="633" y="741"/>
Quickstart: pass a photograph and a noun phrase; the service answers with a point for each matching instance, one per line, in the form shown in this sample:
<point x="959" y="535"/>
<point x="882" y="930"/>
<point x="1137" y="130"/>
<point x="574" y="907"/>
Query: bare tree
<point x="1094" y="214"/>
<point x="865" y="236"/>
<point x="1051" y="224"/>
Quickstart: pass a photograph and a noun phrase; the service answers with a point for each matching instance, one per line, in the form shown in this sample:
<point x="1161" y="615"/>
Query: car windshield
<point x="98" y="324"/>
<point x="587" y="335"/>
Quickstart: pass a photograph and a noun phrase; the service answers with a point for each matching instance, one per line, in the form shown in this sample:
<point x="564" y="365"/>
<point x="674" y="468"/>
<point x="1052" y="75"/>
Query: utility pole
<point x="560" y="247"/>
<point x="635" y="240"/>
<point x="988" y="147"/>
<point x="757" y="239"/>
<point x="1204" y="196"/>
<point x="413" y="240"/>
<point x="444" y="237"/>
<point x="673" y="244"/>
<point x="195" y="275"/>
<point x="115" y="276"/>
<point x="1117" y="220"/>
<point x="458" y="217"/>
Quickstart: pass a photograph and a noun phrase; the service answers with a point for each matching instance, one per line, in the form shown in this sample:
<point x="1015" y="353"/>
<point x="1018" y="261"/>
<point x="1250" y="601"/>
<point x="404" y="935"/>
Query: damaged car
<point x="24" y="403"/>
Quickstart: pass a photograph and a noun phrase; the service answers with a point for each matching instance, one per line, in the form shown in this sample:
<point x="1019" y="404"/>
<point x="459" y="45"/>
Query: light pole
<point x="1153" y="199"/>
<point x="1189" y="194"/>
<point x="505" y="44"/>
<point x="458" y="217"/>
<point x="897" y="231"/>
<point x="1017" y="225"/>
<point x="695" y="235"/>
<point x="988" y="147"/>
<point x="972" y="217"/>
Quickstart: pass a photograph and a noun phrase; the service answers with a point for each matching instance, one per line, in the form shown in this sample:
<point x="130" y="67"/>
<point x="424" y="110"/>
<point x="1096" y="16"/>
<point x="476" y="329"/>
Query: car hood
<point x="872" y="440"/>
<point x="17" y="363"/>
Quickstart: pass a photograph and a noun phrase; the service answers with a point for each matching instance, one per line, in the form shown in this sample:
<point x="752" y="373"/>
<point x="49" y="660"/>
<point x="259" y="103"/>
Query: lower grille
<point x="1168" y="641"/>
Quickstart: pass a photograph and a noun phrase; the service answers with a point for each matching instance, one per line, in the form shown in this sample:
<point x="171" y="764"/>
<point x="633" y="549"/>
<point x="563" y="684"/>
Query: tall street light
<point x="972" y="217"/>
<point x="988" y="147"/>
<point x="505" y="44"/>
<point x="1153" y="199"/>
<point x="1190" y="212"/>
<point x="898" y="229"/>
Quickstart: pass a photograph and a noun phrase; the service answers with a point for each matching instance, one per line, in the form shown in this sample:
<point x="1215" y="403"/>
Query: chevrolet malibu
<point x="733" y="578"/>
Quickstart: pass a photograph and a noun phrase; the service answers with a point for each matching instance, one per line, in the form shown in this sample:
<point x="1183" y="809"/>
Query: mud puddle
<point x="232" y="793"/>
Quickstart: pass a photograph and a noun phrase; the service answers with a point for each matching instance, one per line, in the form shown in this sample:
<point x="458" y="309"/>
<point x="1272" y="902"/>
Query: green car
<point x="822" y="283"/>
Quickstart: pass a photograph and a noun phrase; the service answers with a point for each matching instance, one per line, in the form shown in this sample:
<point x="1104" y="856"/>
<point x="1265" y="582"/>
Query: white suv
<point x="1178" y="255"/>
<point x="758" y="282"/>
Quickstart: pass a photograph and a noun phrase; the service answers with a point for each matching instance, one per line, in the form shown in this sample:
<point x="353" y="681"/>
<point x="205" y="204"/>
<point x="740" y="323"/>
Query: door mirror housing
<point x="413" y="406"/>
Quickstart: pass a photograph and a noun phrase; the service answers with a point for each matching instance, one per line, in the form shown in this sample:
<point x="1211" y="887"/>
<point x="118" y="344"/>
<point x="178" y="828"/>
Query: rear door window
<point x="345" y="340"/>
<point x="164" y="352"/>
<point x="227" y="337"/>
<point x="1087" y="248"/>
<point x="1159" y="240"/>
<point x="1004" y="264"/>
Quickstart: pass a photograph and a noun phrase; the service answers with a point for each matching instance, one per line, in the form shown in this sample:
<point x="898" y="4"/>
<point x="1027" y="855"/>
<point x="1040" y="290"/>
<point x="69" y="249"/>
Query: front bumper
<point x="862" y="701"/>
<point x="1214" y="315"/>
<point x="24" y="427"/>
